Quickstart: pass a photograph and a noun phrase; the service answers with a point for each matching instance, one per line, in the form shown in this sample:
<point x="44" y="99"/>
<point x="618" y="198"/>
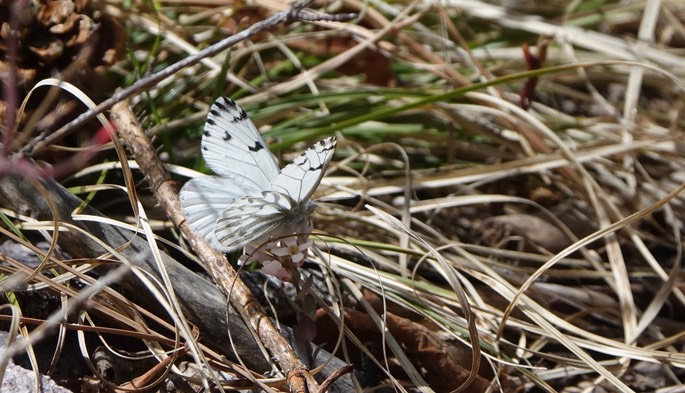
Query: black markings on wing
<point x="233" y="147"/>
<point x="257" y="147"/>
<point x="300" y="178"/>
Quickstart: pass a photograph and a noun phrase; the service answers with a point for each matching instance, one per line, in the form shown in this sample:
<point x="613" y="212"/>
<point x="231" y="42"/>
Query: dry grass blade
<point x="522" y="162"/>
<point x="456" y="285"/>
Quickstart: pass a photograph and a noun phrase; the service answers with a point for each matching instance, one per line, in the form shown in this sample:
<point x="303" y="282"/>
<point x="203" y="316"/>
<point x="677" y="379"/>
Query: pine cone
<point x="55" y="34"/>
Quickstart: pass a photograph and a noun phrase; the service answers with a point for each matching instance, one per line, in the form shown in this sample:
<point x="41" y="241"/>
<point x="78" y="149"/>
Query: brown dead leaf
<point x="445" y="360"/>
<point x="534" y="231"/>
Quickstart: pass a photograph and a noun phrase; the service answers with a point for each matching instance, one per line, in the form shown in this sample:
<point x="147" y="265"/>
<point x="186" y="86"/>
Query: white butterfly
<point x="251" y="200"/>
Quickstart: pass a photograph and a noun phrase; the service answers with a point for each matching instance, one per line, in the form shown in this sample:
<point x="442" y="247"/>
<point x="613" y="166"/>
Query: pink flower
<point x="293" y="248"/>
<point x="251" y="253"/>
<point x="275" y="269"/>
<point x="279" y="258"/>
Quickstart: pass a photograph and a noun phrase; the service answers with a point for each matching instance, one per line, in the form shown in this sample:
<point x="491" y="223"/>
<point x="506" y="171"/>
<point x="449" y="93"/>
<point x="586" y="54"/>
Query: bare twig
<point x="325" y="17"/>
<point x="295" y="12"/>
<point x="166" y="193"/>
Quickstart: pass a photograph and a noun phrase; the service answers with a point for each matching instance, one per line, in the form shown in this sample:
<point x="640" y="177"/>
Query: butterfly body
<point x="252" y="199"/>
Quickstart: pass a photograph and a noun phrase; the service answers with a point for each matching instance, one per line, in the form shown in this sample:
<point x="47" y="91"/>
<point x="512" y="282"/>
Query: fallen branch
<point x="201" y="301"/>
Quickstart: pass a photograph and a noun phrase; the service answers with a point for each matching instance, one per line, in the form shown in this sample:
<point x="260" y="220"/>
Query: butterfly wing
<point x="253" y="218"/>
<point x="300" y="178"/>
<point x="252" y="200"/>
<point x="204" y="200"/>
<point x="233" y="147"/>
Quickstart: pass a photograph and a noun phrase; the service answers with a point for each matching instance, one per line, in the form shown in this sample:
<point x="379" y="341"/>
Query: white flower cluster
<point x="279" y="258"/>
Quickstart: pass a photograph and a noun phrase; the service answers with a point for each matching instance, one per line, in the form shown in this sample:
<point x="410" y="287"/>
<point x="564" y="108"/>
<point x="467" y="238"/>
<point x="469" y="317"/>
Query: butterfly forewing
<point x="233" y="147"/>
<point x="300" y="178"/>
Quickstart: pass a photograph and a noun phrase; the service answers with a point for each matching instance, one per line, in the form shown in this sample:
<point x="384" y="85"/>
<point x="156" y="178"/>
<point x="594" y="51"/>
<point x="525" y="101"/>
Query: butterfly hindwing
<point x="204" y="199"/>
<point x="233" y="147"/>
<point x="300" y="178"/>
<point x="253" y="219"/>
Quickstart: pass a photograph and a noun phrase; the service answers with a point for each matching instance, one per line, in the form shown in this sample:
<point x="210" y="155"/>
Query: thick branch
<point x="166" y="193"/>
<point x="201" y="301"/>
